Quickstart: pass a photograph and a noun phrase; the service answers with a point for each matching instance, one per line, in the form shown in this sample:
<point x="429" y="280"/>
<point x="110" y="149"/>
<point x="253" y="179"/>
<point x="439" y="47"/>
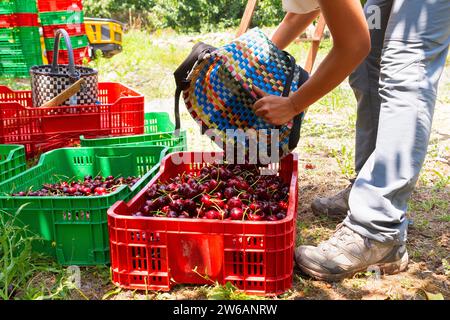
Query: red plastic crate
<point x="119" y="112"/>
<point x="59" y="5"/>
<point x="7" y="20"/>
<point x="154" y="253"/>
<point x="72" y="29"/>
<point x="79" y="55"/>
<point x="19" y="20"/>
<point x="27" y="20"/>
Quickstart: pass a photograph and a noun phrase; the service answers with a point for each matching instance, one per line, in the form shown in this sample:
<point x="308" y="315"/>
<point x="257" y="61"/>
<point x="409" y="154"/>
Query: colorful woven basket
<point x="218" y="92"/>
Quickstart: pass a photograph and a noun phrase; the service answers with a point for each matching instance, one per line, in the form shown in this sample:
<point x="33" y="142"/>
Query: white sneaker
<point x="347" y="253"/>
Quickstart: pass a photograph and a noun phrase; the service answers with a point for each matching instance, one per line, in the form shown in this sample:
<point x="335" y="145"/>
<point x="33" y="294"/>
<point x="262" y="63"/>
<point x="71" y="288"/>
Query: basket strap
<point x="182" y="73"/>
<point x="73" y="73"/>
<point x="290" y="78"/>
<point x="294" y="137"/>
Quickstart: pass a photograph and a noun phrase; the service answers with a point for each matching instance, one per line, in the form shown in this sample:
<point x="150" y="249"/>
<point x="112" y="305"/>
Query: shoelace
<point x="341" y="236"/>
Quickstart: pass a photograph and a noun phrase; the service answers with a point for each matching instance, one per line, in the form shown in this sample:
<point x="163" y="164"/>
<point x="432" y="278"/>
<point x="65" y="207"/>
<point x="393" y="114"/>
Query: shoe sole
<point x="385" y="268"/>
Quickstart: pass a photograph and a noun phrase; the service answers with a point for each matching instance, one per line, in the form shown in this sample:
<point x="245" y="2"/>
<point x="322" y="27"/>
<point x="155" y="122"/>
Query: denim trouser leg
<point x="415" y="48"/>
<point x="365" y="83"/>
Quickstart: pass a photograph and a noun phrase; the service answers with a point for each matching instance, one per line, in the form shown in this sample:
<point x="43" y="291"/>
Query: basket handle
<point x="73" y="73"/>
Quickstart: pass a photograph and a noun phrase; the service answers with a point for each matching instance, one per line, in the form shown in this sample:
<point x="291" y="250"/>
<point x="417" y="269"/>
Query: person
<point x="396" y="87"/>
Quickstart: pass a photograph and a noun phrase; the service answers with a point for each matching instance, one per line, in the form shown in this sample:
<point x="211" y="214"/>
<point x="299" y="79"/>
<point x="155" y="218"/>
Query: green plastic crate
<point x="9" y="34"/>
<point x="20" y="60"/>
<point x="14" y="71"/>
<point x="12" y="58"/>
<point x="156" y="124"/>
<point x="33" y="59"/>
<point x="20" y="49"/>
<point x="7" y="6"/>
<point x="12" y="161"/>
<point x="26" y="6"/>
<point x="29" y="37"/>
<point x="77" y="42"/>
<point x="61" y="17"/>
<point x="75" y="229"/>
<point x="26" y="39"/>
<point x="169" y="140"/>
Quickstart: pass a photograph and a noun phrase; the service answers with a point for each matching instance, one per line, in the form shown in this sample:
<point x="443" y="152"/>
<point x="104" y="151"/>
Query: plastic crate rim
<point x="110" y="195"/>
<point x="14" y="148"/>
<point x="122" y="205"/>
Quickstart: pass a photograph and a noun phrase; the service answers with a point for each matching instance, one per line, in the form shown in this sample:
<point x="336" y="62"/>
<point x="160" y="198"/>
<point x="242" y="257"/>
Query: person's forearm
<point x="351" y="44"/>
<point x="292" y="27"/>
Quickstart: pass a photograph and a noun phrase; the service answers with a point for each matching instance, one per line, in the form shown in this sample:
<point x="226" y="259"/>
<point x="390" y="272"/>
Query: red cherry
<point x="234" y="202"/>
<point x="172" y="214"/>
<point x="255" y="217"/>
<point x="206" y="200"/>
<point x="245" y="196"/>
<point x="177" y="205"/>
<point x="220" y="203"/>
<point x="283" y="205"/>
<point x="212" y="215"/>
<point x="272" y="218"/>
<point x="233" y="183"/>
<point x="100" y="191"/>
<point x="200" y="213"/>
<point x="165" y="209"/>
<point x="229" y="193"/>
<point x="281" y="216"/>
<point x="243" y="185"/>
<point x="189" y="205"/>
<point x="86" y="191"/>
<point x="212" y="185"/>
<point x="310" y="166"/>
<point x="236" y="214"/>
<point x="254" y="207"/>
<point x="184" y="215"/>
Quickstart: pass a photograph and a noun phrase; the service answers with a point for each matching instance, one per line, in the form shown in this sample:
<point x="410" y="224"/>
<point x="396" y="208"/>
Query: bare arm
<point x="292" y="27"/>
<point x="351" y="44"/>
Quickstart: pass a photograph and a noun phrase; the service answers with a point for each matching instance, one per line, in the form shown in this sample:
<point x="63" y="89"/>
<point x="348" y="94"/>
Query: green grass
<point x="23" y="274"/>
<point x="146" y="64"/>
<point x="444" y="218"/>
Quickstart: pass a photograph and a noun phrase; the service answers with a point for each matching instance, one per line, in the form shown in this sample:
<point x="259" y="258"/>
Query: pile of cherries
<point x="219" y="192"/>
<point x="90" y="186"/>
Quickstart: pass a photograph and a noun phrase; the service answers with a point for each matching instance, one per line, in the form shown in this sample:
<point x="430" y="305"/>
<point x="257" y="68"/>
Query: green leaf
<point x="432" y="296"/>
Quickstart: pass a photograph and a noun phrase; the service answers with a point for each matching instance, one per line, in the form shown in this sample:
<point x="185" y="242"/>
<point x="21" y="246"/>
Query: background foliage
<point x="184" y="15"/>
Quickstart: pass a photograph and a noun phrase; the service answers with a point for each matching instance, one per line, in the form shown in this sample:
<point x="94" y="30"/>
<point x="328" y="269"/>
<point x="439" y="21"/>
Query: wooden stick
<point x="247" y="17"/>
<point x="66" y="94"/>
<point x="318" y="35"/>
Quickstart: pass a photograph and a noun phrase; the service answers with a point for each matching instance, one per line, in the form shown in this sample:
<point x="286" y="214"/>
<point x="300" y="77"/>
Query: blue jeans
<point x="396" y="88"/>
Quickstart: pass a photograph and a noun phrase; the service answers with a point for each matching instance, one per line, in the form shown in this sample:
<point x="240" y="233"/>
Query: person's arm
<point x="351" y="44"/>
<point x="292" y="27"/>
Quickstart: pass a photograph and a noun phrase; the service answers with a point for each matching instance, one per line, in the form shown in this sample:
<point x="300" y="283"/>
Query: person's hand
<point x="273" y="109"/>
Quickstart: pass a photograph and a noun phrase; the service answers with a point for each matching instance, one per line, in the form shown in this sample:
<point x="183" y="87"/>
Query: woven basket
<point x="220" y="95"/>
<point x="48" y="81"/>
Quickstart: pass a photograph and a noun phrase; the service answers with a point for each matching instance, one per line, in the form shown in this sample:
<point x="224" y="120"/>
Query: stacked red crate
<point x="68" y="15"/>
<point x="18" y="20"/>
<point x="59" y="5"/>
